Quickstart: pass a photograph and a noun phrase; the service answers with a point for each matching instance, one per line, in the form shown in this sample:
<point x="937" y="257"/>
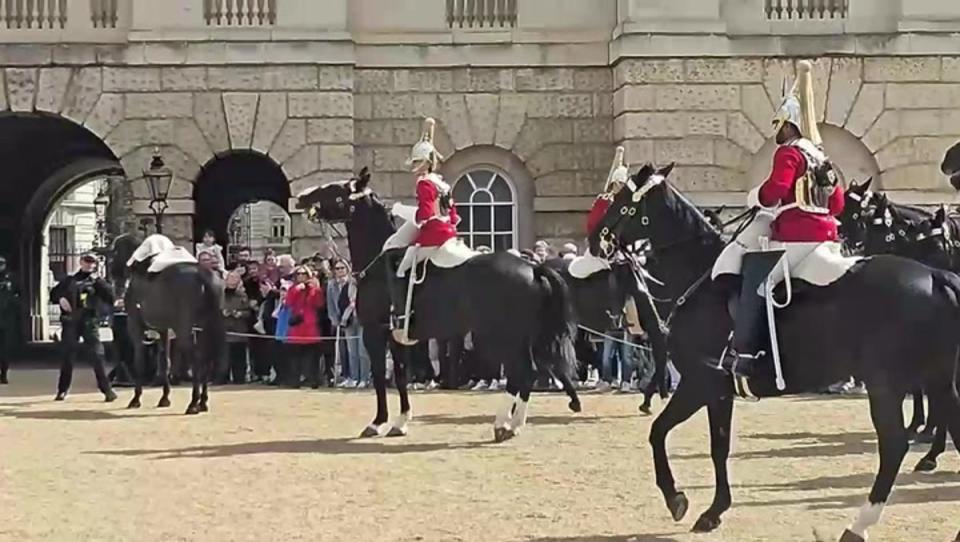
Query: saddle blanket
<point x="169" y="257"/>
<point x="582" y="267"/>
<point x="819" y="263"/>
<point x="451" y="254"/>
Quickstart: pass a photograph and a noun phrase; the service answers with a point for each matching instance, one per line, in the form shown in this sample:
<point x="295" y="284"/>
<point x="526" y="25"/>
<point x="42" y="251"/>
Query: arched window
<point x="487" y="205"/>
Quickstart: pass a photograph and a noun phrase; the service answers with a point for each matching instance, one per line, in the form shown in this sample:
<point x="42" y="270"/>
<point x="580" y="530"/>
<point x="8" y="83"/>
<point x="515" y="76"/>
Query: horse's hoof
<point x="574" y="406"/>
<point x="192" y="409"/>
<point x="3" y="380"/>
<point x="926" y="437"/>
<point x="645" y="410"/>
<point x="60" y="397"/>
<point x="850" y="536"/>
<point x="397" y="432"/>
<point x="926" y="465"/>
<point x="678" y="506"/>
<point x="203" y="407"/>
<point x="134" y="403"/>
<point x="706" y="523"/>
<point x="369" y="431"/>
<point x="109" y="397"/>
<point x="164" y="402"/>
<point x="500" y="434"/>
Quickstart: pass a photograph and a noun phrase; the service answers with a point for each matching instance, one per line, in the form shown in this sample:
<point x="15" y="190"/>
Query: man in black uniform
<point x="78" y="296"/>
<point x="9" y="309"/>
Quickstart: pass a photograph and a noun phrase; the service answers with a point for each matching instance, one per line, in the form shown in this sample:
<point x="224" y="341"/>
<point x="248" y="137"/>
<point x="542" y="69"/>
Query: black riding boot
<point x="747" y="345"/>
<point x="397" y="290"/>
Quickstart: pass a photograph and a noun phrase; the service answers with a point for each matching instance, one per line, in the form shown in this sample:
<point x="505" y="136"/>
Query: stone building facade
<point x="534" y="92"/>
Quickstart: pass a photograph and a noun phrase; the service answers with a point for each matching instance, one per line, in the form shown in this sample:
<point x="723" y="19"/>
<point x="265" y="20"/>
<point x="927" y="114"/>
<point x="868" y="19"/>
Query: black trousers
<point x="73" y="332"/>
<point x="237" y="368"/>
<point x="7" y="341"/>
<point x="302" y="359"/>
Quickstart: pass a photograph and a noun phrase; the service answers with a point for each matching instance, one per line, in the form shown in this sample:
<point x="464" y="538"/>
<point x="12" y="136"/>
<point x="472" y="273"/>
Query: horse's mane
<point x="689" y="214"/>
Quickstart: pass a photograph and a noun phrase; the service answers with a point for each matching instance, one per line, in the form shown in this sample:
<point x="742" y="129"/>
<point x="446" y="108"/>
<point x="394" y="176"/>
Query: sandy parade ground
<point x="275" y="464"/>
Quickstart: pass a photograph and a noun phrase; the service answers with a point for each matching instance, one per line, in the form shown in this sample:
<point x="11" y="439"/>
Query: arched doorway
<point x="231" y="181"/>
<point x="44" y="157"/>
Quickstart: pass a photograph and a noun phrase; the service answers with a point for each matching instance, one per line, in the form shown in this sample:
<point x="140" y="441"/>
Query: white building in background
<point x="261" y="226"/>
<point x="71" y="230"/>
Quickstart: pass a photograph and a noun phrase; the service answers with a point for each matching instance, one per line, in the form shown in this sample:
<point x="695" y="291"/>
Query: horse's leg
<point x="685" y="403"/>
<point x="136" y="337"/>
<point x="375" y="338"/>
<point x="399" y="428"/>
<point x="164" y="371"/>
<point x="502" y="430"/>
<point x="525" y="376"/>
<point x="197" y="367"/>
<point x="886" y="411"/>
<point x="209" y="368"/>
<point x="929" y="462"/>
<point x="720" y="414"/>
<point x="934" y="421"/>
<point x="918" y="414"/>
<point x="571" y="391"/>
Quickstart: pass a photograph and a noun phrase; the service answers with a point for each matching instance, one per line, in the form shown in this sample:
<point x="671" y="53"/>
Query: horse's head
<point x="951" y="165"/>
<point x="888" y="232"/>
<point x="637" y="210"/>
<point x="337" y="201"/>
<point x="856" y="213"/>
<point x="937" y="240"/>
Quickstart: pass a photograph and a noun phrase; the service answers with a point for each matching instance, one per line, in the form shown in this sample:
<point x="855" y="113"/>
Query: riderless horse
<point x="168" y="291"/>
<point x="517" y="312"/>
<point x="892" y="321"/>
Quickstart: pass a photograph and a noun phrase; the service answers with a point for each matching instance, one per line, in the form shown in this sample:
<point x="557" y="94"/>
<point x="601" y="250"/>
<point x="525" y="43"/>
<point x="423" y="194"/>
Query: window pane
<point x="481" y="218"/>
<point x="503" y="242"/>
<point x="481" y="178"/>
<point x="482" y="196"/>
<point x="501" y="190"/>
<point x="462" y="190"/>
<point x="482" y="241"/>
<point x="464" y="211"/>
<point x="503" y="218"/>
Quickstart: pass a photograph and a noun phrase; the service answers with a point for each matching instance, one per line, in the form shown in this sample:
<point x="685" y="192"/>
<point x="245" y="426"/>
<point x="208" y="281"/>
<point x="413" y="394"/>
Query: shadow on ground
<point x="609" y="538"/>
<point x="813" y="445"/>
<point x="336" y="446"/>
<point x="571" y="419"/>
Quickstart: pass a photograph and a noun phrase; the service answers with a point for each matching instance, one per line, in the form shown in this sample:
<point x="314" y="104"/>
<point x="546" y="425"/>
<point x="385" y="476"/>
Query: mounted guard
<point x="430" y="231"/>
<point x="794" y="232"/>
<point x="589" y="263"/>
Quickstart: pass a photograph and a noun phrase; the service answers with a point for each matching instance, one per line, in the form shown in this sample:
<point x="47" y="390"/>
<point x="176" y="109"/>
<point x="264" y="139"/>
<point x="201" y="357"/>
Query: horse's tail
<point x="553" y="347"/>
<point x="950" y="283"/>
<point x="213" y="338"/>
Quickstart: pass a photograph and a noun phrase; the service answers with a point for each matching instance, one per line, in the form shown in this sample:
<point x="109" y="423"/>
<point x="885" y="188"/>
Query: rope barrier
<point x="615" y="339"/>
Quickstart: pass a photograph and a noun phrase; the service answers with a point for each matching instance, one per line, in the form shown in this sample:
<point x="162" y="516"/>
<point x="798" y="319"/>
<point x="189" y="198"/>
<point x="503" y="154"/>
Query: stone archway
<point x="230" y="180"/>
<point x="45" y="156"/>
<point x="850" y="154"/>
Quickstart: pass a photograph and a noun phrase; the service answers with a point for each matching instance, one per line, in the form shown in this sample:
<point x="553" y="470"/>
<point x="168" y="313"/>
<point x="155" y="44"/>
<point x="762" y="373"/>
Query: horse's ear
<point x="866" y="185"/>
<point x="363" y="179"/>
<point x="941" y="214"/>
<point x="665" y="171"/>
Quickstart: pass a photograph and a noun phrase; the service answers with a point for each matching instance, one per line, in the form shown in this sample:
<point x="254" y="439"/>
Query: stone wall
<point x="713" y="116"/>
<point x="557" y="120"/>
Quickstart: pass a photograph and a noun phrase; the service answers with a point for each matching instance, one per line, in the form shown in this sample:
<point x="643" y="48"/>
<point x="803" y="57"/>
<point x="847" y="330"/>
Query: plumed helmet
<point x="424" y="151"/>
<point x="798" y="106"/>
<point x="618" y="171"/>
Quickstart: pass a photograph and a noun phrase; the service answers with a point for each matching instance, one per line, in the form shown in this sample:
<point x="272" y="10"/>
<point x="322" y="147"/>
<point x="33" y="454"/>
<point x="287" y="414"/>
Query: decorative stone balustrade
<point x="481" y="13"/>
<point x="241" y="12"/>
<point x="791" y="10"/>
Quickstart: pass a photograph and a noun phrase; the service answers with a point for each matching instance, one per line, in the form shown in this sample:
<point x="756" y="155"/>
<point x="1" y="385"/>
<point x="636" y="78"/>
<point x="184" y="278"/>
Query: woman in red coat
<point x="303" y="302"/>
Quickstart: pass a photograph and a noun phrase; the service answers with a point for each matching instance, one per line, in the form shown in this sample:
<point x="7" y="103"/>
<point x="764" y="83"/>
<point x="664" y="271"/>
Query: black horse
<point x="950" y="166"/>
<point x="517" y="312"/>
<point x="872" y="224"/>
<point x="890" y="320"/>
<point x="178" y="299"/>
<point x="599" y="300"/>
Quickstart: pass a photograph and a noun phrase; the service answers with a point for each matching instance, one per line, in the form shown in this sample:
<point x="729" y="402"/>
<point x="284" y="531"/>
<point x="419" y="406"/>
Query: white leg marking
<point x="403" y="420"/>
<point x="519" y="415"/>
<point x="869" y="516"/>
<point x="503" y="414"/>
